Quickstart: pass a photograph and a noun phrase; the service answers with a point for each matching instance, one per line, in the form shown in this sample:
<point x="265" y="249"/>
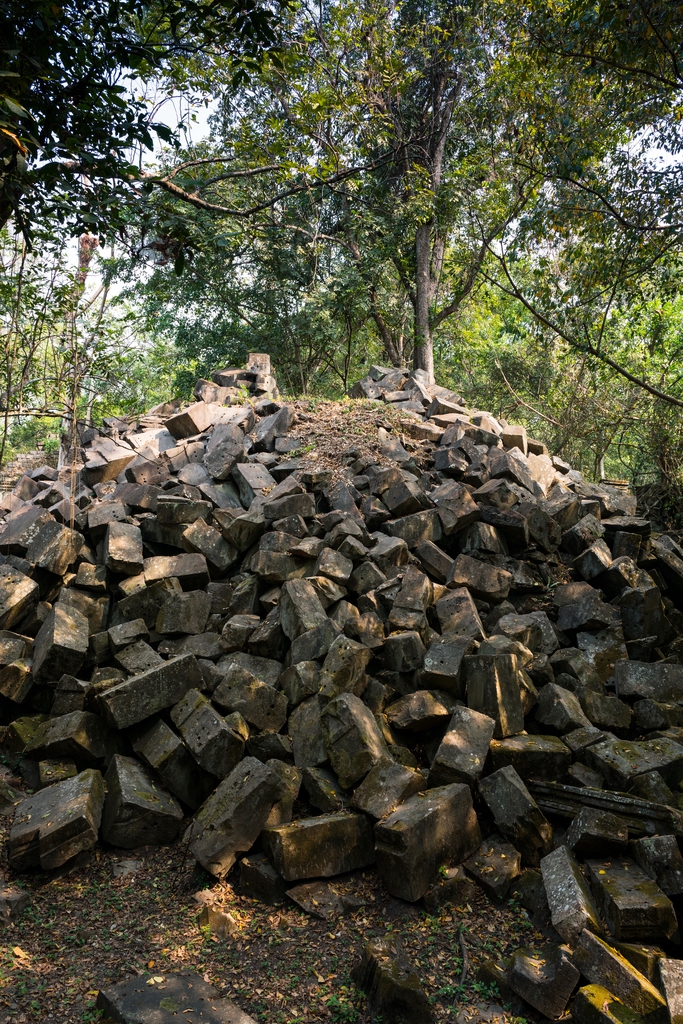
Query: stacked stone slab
<point x="423" y="660"/>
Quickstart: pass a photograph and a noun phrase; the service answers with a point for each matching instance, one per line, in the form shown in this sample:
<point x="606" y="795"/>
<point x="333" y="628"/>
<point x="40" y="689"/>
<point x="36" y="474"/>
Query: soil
<point x="328" y="430"/>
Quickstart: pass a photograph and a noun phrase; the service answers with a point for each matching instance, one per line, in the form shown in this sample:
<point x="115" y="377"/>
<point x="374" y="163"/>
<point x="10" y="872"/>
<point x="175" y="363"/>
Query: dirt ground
<point x="328" y="429"/>
<point x="94" y="926"/>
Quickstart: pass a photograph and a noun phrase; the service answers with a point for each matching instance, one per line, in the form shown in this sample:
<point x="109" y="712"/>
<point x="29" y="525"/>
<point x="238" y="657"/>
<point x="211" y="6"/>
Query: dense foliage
<point x="489" y="190"/>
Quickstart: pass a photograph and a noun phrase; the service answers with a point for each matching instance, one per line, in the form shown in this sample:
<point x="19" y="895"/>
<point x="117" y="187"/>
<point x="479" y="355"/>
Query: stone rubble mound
<point x="459" y="662"/>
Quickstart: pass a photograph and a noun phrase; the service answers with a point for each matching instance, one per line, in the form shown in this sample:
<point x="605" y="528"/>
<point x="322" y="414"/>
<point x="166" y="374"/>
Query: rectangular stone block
<point x="320" y="847"/>
<point x="463" y="750"/>
<point x="190" y="570"/>
<point x="633" y="906"/>
<point x="671" y="976"/>
<point x="195" y="419"/>
<point x="18" y="594"/>
<point x="458" y="614"/>
<point x="54" y="548"/>
<point x="443" y="663"/>
<point x="137" y="811"/>
<point x="533" y="757"/>
<point x="139" y="697"/>
<point x="386" y="785"/>
<point x="78" y="735"/>
<point x="621" y="761"/>
<point x="493" y="688"/>
<point x="164" y="751"/>
<point x="214" y="746"/>
<point x="61" y="644"/>
<point x="435" y="828"/>
<point x="21" y="527"/>
<point x="604" y="965"/>
<point x="123" y="549"/>
<point x="229" y="822"/>
<point x="57" y="823"/>
<point x="657" y="680"/>
<point x="419" y="528"/>
<point x="571" y="905"/>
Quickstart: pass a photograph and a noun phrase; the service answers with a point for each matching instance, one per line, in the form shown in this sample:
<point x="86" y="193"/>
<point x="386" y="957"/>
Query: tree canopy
<point x="491" y="192"/>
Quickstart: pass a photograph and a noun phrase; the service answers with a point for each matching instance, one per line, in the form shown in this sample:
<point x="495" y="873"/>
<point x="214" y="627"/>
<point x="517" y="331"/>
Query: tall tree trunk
<point x="393" y="347"/>
<point x="423" y="355"/>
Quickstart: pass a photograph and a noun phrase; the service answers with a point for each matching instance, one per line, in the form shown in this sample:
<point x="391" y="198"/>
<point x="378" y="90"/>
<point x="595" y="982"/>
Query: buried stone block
<point x="569" y="898"/>
<point x="603" y="965"/>
<point x="163" y="1002"/>
<point x="137" y="811"/>
<point x="55" y="771"/>
<point x="218" y="923"/>
<point x="452" y="886"/>
<point x="391" y="984"/>
<point x="322" y="900"/>
<point x="320" y="847"/>
<point x="57" y="823"/>
<point x="546" y="983"/>
<point x="229" y="822"/>
<point x="632" y="904"/>
<point x="516" y="813"/>
<point x="434" y="828"/>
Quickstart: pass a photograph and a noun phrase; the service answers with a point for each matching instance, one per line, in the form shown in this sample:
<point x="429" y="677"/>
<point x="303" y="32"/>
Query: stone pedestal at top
<point x="257" y="378"/>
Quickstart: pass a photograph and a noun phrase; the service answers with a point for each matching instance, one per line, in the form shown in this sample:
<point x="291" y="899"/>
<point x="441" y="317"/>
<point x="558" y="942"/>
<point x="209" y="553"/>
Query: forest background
<point x="491" y="191"/>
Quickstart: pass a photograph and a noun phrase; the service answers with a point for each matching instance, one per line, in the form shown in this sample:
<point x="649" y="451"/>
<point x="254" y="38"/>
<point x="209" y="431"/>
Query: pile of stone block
<point x="459" y="662"/>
